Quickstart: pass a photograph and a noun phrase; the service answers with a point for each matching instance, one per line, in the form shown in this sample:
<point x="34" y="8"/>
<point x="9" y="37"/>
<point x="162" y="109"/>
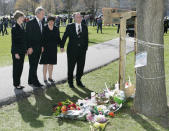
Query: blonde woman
<point x="18" y="48"/>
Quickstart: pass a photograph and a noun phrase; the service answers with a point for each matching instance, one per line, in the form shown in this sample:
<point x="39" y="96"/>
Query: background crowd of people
<point x="60" y="20"/>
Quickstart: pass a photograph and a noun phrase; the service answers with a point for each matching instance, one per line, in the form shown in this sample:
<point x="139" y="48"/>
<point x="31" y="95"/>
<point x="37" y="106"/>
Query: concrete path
<point x="97" y="56"/>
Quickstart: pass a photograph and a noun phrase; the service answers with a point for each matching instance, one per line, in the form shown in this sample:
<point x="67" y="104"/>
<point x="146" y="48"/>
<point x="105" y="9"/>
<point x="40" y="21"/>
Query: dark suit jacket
<point x="74" y="41"/>
<point x="33" y="33"/>
<point x="18" y="40"/>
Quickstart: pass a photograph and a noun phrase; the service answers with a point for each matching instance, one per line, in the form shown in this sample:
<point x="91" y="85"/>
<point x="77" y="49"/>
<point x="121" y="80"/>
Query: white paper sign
<point x="141" y="59"/>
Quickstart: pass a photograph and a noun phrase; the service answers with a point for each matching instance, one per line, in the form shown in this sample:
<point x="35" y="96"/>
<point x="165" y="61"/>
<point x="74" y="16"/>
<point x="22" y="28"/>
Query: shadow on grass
<point x="92" y="42"/>
<point x="28" y="112"/>
<point x="43" y="102"/>
<point x="161" y="121"/>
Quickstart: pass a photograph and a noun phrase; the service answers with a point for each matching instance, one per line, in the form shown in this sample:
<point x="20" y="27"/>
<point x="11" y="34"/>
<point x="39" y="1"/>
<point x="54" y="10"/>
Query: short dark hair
<point x="18" y="14"/>
<point x="50" y="17"/>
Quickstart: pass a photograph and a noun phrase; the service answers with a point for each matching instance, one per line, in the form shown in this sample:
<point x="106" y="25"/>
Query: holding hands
<point x="42" y="49"/>
<point x="62" y="49"/>
<point x="17" y="56"/>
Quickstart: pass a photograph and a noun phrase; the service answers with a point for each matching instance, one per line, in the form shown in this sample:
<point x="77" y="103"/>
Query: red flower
<point x="60" y="104"/>
<point x="111" y="114"/>
<point x="69" y="106"/>
<point x="74" y="105"/>
<point x="78" y="108"/>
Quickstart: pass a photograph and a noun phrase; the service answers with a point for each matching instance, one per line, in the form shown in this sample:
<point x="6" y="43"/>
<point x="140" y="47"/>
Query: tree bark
<point x="150" y="98"/>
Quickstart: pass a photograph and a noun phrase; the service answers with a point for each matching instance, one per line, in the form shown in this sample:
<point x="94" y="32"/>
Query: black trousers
<point x="1" y="31"/>
<point x="17" y="68"/>
<point x="78" y="58"/>
<point x="99" y="27"/>
<point x="165" y="30"/>
<point x="5" y="30"/>
<point x="33" y="65"/>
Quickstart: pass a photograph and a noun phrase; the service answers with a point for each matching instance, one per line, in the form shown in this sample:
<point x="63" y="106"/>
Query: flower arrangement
<point x="64" y="107"/>
<point x="94" y="110"/>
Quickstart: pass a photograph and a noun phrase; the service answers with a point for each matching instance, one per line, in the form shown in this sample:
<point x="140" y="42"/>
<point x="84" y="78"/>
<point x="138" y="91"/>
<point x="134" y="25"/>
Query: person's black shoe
<point x="80" y="84"/>
<point x="46" y="83"/>
<point x="71" y="86"/>
<point x="40" y="85"/>
<point x="37" y="85"/>
<point x="19" y="87"/>
<point x="30" y="83"/>
<point x="51" y="81"/>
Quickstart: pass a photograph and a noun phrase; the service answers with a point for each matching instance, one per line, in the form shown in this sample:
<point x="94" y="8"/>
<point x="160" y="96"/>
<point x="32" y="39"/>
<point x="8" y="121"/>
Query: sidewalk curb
<point x="22" y="94"/>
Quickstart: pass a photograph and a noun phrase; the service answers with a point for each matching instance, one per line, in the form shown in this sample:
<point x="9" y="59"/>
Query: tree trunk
<point x="150" y="98"/>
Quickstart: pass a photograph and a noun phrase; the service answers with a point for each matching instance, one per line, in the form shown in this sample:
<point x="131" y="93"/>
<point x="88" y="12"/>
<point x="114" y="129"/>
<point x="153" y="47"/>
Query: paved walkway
<point x="97" y="56"/>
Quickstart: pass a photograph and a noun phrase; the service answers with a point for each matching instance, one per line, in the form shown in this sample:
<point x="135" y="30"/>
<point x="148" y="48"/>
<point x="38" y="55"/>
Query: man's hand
<point x="30" y="51"/>
<point x="62" y="49"/>
<point x="17" y="56"/>
<point x="42" y="49"/>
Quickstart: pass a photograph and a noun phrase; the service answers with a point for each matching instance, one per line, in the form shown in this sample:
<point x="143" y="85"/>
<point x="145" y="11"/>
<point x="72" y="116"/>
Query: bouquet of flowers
<point x="62" y="108"/>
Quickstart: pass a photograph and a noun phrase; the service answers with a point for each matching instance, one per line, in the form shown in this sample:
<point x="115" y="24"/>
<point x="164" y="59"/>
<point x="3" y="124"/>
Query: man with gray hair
<point x="76" y="49"/>
<point x="34" y="29"/>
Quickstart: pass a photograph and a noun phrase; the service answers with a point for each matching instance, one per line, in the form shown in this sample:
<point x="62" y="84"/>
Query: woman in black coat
<point x="18" y="49"/>
<point x="51" y="39"/>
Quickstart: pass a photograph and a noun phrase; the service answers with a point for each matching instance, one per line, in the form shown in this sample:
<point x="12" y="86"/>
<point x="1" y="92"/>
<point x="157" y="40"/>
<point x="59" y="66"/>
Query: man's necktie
<point x="40" y="25"/>
<point x="79" y="29"/>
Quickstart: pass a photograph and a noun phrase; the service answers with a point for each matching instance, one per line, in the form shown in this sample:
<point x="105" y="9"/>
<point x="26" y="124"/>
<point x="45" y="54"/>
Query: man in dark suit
<point x="76" y="49"/>
<point x="99" y="25"/>
<point x="5" y="26"/>
<point x="1" y="27"/>
<point x="34" y="30"/>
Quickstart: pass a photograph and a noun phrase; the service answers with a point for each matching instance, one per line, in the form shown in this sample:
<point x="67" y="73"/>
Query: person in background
<point x="57" y="21"/>
<point x="70" y="19"/>
<point x="118" y="28"/>
<point x="99" y="25"/>
<point x="51" y="39"/>
<point x="1" y="27"/>
<point x="84" y="21"/>
<point x="5" y="26"/>
<point x="18" y="49"/>
<point x="166" y="25"/>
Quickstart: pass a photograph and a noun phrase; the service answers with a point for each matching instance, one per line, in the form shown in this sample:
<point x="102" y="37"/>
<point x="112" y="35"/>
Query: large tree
<point x="150" y="98"/>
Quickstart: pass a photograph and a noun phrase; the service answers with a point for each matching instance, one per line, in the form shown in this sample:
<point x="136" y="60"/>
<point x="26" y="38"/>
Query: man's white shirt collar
<point x="37" y="19"/>
<point x="77" y="27"/>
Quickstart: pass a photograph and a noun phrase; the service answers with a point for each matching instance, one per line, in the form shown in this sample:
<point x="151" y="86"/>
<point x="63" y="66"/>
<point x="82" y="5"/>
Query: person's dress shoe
<point x="51" y="81"/>
<point x="71" y="86"/>
<point x="40" y="85"/>
<point x="46" y="83"/>
<point x="37" y="85"/>
<point x="19" y="87"/>
<point x="80" y="84"/>
<point x="30" y="83"/>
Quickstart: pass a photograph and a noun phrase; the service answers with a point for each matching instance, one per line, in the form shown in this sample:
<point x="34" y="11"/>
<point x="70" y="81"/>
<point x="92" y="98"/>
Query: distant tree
<point x="6" y="7"/>
<point x="49" y="5"/>
<point x="23" y="5"/>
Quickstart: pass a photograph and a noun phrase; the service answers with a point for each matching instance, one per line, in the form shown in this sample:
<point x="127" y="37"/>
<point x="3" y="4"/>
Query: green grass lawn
<point x="35" y="114"/>
<point x="94" y="38"/>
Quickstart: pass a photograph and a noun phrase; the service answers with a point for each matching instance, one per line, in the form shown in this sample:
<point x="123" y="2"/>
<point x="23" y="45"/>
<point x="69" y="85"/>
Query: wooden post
<point x="135" y="36"/>
<point x="135" y="40"/>
<point x="122" y="50"/>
